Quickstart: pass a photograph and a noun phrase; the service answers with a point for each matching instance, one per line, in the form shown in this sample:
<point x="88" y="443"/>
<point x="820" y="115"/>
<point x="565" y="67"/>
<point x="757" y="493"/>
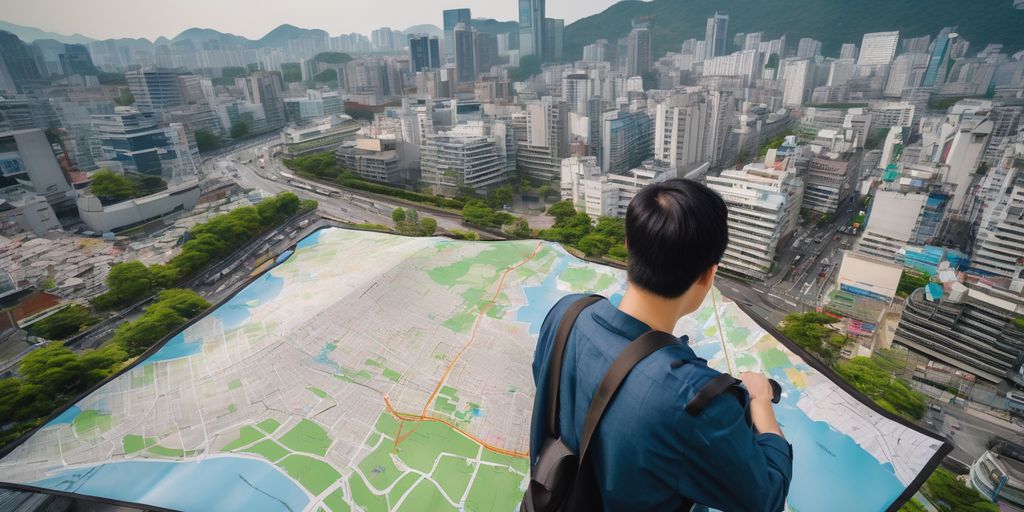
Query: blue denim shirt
<point x="648" y="453"/>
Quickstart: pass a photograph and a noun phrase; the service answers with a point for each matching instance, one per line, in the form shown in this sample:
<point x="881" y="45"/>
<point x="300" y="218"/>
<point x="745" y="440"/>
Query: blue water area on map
<point x="284" y="256"/>
<point x="233" y="313"/>
<point x="222" y="483"/>
<point x="541" y="297"/>
<point x="324" y="357"/>
<point x="310" y="240"/>
<point x="830" y="470"/>
<point x="66" y="417"/>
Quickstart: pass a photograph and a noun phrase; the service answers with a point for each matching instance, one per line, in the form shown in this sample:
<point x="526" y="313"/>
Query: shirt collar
<point x="611" y="317"/>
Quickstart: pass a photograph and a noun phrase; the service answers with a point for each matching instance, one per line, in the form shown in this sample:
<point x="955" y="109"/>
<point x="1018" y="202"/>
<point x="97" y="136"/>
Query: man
<point x="648" y="453"/>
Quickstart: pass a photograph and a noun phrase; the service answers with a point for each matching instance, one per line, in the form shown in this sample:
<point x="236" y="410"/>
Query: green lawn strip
<point x="497" y="257"/>
<point x="426" y="496"/>
<point x="307" y="437"/>
<point x="387" y="425"/>
<point x="268" y="425"/>
<point x="133" y="443"/>
<point x="461" y="322"/>
<point x="520" y="464"/>
<point x="246" y="435"/>
<point x="268" y="449"/>
<point x="774" y="358"/>
<point x="378" y="467"/>
<point x="578" y="278"/>
<point x="163" y="451"/>
<point x="317" y="391"/>
<point x="453" y="474"/>
<point x="391" y="375"/>
<point x="429" y="440"/>
<point x="235" y="384"/>
<point x="403" y="484"/>
<point x="443" y="405"/>
<point x="349" y="375"/>
<point x="494" y="488"/>
<point x="362" y="496"/>
<point x="336" y="501"/>
<point x="91" y="419"/>
<point x="316" y="476"/>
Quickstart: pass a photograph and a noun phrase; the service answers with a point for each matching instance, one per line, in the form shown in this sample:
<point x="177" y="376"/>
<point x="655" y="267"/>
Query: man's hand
<point x="761" y="412"/>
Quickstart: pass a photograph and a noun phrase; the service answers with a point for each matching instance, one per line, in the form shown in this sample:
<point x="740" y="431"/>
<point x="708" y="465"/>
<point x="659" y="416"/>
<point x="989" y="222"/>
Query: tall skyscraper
<point x="940" y="54"/>
<point x="424" y="53"/>
<point x="453" y="17"/>
<point x="76" y="60"/>
<point x="680" y="128"/>
<point x="626" y="139"/>
<point x="554" y="30"/>
<point x="531" y="28"/>
<point x="808" y="48"/>
<point x="878" y="48"/>
<point x="848" y="51"/>
<point x="716" y="40"/>
<point x="154" y="89"/>
<point x="640" y="57"/>
<point x="465" y="62"/>
<point x="264" y="88"/>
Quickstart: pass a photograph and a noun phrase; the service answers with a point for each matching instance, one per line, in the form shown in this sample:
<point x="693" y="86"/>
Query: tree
<point x="428" y="226"/>
<point x="812" y="333"/>
<point x="171" y="309"/>
<point x="893" y="395"/>
<point x="333" y="58"/>
<point x="126" y="98"/>
<point x="520" y="228"/>
<point x="528" y="67"/>
<point x="478" y="213"/>
<point x="64" y="323"/>
<point x="398" y="216"/>
<point x="206" y="141"/>
<point x="618" y="252"/>
<point x="949" y="495"/>
<point x="595" y="244"/>
<point x="107" y="184"/>
<point x="239" y="130"/>
<point x="291" y="72"/>
<point x="503" y="195"/>
<point x="562" y="211"/>
<point x="128" y="282"/>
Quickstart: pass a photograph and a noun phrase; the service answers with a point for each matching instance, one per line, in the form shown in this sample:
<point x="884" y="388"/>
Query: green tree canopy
<point x="890" y="393"/>
<point x="477" y="212"/>
<point x="206" y="141"/>
<point x="811" y="332"/>
<point x="239" y="130"/>
<point x="109" y="184"/>
<point x="949" y="495"/>
<point x="64" y="323"/>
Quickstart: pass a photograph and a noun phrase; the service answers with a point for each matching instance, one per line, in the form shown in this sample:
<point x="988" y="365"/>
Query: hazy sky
<point x="103" y="19"/>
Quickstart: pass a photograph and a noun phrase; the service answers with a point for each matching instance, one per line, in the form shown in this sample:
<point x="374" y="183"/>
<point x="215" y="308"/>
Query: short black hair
<point x="675" y="231"/>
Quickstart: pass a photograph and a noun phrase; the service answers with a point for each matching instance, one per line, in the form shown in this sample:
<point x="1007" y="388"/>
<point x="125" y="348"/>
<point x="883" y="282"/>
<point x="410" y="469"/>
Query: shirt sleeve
<point x="732" y="468"/>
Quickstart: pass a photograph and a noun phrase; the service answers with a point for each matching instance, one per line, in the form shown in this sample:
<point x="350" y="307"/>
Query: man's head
<point x="676" y="233"/>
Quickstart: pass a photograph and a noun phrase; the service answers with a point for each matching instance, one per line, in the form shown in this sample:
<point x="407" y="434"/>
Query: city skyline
<point x="132" y="22"/>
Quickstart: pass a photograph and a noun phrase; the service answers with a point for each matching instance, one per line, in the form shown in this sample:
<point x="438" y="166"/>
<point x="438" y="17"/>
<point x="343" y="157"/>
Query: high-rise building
<point x="1000" y="246"/>
<point x="264" y="88"/>
<point x="76" y="61"/>
<point x="596" y="52"/>
<point x="424" y="53"/>
<point x="680" y="128"/>
<point x="154" y="89"/>
<point x="798" y="76"/>
<point x="848" y="51"/>
<point x="531" y="28"/>
<point x="640" y="57"/>
<point x="764" y="207"/>
<point x="808" y="48"/>
<point x="626" y="139"/>
<point x="465" y="62"/>
<point x="554" y="35"/>
<point x="485" y="51"/>
<point x="878" y="48"/>
<point x="27" y="161"/>
<point x="939" y="57"/>
<point x="453" y="17"/>
<point x="135" y="142"/>
<point x="19" y="62"/>
<point x="716" y="38"/>
<point x="906" y="72"/>
<point x="830" y="181"/>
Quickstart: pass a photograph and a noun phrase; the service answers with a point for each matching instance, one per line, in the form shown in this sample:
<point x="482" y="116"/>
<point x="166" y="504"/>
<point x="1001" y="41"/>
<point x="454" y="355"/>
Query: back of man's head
<point x="675" y="231"/>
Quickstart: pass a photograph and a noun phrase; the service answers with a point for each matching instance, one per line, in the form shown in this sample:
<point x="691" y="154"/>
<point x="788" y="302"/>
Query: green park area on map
<point x="377" y="372"/>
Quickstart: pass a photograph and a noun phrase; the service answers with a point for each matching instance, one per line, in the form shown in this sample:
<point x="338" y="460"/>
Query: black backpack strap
<point x="640" y="348"/>
<point x="557" y="354"/>
<point x="711" y="389"/>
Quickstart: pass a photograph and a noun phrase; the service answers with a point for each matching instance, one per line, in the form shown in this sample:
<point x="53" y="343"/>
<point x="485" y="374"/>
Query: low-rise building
<point x="135" y="212"/>
<point x="999" y="478"/>
<point x="471" y="155"/>
<point x="608" y="194"/>
<point x="380" y="160"/>
<point x="324" y="134"/>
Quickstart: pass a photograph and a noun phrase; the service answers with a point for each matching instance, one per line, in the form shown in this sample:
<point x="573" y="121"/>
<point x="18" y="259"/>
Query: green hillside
<point x="833" y="22"/>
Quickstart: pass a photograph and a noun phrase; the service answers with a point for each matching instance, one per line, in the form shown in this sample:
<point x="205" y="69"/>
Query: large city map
<point x="376" y="372"/>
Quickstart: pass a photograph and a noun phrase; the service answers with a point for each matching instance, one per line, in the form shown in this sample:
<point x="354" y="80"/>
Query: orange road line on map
<point x="444" y="376"/>
<point x="403" y="417"/>
<point x="476" y="325"/>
